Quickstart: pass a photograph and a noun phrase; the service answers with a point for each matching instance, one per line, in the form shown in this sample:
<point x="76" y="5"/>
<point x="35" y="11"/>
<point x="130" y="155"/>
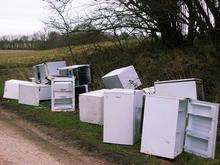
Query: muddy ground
<point x="22" y="142"/>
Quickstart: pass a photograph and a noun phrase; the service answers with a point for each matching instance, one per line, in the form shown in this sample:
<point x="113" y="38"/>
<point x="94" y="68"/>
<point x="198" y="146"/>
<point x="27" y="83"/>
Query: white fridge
<point x="172" y="125"/>
<point x="63" y="94"/>
<point x="122" y="116"/>
<point x="91" y="106"/>
<point x="188" y="88"/>
<point x="11" y="89"/>
<point x="125" y="77"/>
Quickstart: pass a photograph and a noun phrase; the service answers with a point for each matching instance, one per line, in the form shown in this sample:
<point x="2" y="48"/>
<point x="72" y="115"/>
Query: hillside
<point x="152" y="63"/>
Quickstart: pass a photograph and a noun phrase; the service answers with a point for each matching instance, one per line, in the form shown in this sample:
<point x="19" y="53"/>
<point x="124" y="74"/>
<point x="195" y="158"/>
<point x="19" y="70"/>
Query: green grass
<point x="151" y="63"/>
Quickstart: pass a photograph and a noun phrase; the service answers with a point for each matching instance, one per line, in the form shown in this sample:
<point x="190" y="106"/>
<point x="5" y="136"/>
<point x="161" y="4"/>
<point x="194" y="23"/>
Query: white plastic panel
<point x="163" y="126"/>
<point x="202" y="128"/>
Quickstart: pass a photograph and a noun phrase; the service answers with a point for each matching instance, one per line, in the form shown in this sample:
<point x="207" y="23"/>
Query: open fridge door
<point x="201" y="130"/>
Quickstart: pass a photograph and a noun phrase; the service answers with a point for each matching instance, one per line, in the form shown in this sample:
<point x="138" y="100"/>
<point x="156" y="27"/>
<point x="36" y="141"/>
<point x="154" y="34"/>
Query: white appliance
<point x="11" y="89"/>
<point x="32" y="94"/>
<point x="82" y="73"/>
<point x="63" y="94"/>
<point x="91" y="107"/>
<point x="52" y="67"/>
<point x="164" y="128"/>
<point x="201" y="130"/>
<point x="122" y="78"/>
<point x="187" y="88"/>
<point x="45" y="71"/>
<point x="122" y="116"/>
<point x="40" y="74"/>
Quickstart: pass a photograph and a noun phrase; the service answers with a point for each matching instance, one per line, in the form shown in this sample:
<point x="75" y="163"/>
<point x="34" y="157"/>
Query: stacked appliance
<point x="40" y="88"/>
<point x="191" y="124"/>
<point x="82" y="74"/>
<point x="118" y="107"/>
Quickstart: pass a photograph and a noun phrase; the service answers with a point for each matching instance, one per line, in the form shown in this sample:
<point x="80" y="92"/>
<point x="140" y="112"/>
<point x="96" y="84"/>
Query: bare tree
<point x="61" y="20"/>
<point x="176" y="22"/>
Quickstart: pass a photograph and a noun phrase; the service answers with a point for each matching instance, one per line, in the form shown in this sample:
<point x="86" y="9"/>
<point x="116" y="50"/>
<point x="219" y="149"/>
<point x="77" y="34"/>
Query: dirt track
<point x="22" y="143"/>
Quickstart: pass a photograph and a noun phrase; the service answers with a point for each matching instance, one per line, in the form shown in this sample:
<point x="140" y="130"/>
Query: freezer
<point x="172" y="125"/>
<point x="188" y="88"/>
<point x="91" y="107"/>
<point x="122" y="116"/>
<point x="11" y="89"/>
<point x="122" y="78"/>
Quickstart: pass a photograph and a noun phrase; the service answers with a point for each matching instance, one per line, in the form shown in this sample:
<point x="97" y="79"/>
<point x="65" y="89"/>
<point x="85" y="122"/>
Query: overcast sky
<point x="18" y="17"/>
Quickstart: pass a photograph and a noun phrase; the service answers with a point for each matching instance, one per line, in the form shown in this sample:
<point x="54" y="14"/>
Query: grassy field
<point x="151" y="64"/>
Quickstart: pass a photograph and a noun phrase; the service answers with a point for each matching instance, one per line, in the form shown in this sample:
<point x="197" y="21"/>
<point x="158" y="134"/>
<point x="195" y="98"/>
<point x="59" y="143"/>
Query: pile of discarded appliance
<point x="169" y="117"/>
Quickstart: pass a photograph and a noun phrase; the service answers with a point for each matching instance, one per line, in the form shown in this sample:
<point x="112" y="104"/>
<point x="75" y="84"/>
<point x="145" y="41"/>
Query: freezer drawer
<point x="63" y="95"/>
<point x="63" y="86"/>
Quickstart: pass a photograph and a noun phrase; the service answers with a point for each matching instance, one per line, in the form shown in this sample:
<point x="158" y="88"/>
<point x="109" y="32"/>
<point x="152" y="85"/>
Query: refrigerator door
<point x="40" y="74"/>
<point x="162" y="127"/>
<point x="29" y="94"/>
<point x="118" y="117"/>
<point x="200" y="137"/>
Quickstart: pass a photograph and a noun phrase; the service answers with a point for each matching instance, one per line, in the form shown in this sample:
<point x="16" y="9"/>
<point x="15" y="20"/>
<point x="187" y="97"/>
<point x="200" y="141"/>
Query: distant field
<point x="24" y="58"/>
<point x="19" y="58"/>
<point x="16" y="51"/>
